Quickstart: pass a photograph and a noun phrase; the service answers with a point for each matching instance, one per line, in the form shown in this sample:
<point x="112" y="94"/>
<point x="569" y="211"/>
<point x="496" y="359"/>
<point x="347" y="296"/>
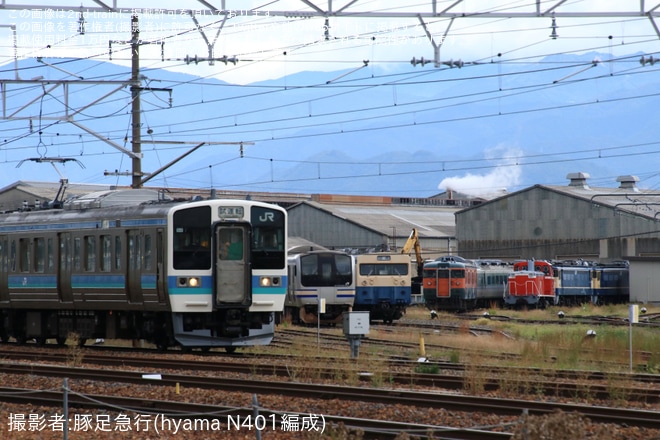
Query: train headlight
<point x="193" y="282"/>
<point x="270" y="281"/>
<point x="189" y="281"/>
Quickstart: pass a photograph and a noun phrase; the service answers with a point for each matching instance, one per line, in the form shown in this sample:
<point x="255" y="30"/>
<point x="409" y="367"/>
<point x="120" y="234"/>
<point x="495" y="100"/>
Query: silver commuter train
<point x="127" y="264"/>
<point x="316" y="278"/>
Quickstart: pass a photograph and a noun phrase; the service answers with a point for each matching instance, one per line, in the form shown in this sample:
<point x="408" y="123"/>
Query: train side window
<point x="12" y="255"/>
<point x="147" y="252"/>
<point x="50" y="255"/>
<point x="106" y="253"/>
<point x="3" y="256"/>
<point x="90" y="253"/>
<point x="24" y="254"/>
<point x="117" y="252"/>
<point x="134" y="252"/>
<point x="65" y="253"/>
<point x="39" y="255"/>
<point x="76" y="253"/>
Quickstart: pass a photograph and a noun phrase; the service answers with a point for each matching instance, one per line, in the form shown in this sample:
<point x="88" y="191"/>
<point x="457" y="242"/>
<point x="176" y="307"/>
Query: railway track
<point x="651" y="320"/>
<point x="423" y="399"/>
<point x="562" y="383"/>
<point x="230" y="418"/>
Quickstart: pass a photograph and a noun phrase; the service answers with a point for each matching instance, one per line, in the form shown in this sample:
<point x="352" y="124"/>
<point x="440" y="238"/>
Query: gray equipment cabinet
<point x="356" y="325"/>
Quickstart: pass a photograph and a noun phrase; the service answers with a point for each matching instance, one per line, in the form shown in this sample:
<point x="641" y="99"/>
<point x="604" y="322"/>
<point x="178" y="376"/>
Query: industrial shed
<point x="645" y="280"/>
<point x="30" y="194"/>
<point x="575" y="221"/>
<point x="33" y="193"/>
<point x="361" y="223"/>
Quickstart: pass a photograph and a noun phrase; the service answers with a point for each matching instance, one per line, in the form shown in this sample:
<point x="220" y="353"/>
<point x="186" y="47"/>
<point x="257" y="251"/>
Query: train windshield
<point x="268" y="238"/>
<point x="439" y="273"/>
<point x="383" y="269"/>
<point x="192" y="238"/>
<point x="326" y="270"/>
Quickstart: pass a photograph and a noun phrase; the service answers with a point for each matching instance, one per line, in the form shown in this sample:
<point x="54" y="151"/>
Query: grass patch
<point x="564" y="345"/>
<point x="423" y="368"/>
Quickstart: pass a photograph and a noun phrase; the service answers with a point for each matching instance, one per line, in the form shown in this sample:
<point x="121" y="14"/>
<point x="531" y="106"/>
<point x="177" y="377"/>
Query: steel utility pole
<point x="136" y="142"/>
<point x="138" y="177"/>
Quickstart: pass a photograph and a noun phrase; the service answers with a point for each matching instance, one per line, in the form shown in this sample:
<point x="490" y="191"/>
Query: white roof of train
<point x="109" y="198"/>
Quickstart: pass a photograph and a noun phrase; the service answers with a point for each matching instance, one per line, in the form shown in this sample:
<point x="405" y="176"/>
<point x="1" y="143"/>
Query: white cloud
<point x="505" y="175"/>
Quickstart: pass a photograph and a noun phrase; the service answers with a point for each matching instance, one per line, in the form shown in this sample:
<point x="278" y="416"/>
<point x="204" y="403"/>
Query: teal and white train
<point x="131" y="265"/>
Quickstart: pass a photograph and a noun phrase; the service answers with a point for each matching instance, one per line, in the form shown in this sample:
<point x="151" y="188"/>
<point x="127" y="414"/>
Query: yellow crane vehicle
<point x="413" y="244"/>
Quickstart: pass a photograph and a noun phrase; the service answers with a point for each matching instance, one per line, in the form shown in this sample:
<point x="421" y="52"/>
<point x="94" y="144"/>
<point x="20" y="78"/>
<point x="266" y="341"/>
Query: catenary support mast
<point x="136" y="181"/>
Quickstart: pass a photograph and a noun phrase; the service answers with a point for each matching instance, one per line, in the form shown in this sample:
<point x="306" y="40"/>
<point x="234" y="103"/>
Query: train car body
<point x="124" y="264"/>
<point x="611" y="283"/>
<point x="579" y="282"/>
<point x="573" y="283"/>
<point x="492" y="280"/>
<point x="450" y="283"/>
<point x="531" y="284"/>
<point x="383" y="285"/>
<point x="324" y="279"/>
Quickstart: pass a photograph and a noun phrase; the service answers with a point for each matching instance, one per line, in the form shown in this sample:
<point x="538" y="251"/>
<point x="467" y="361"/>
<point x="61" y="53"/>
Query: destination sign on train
<point x="230" y="212"/>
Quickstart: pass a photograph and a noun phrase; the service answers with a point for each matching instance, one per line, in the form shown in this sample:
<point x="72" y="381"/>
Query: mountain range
<point x="409" y="131"/>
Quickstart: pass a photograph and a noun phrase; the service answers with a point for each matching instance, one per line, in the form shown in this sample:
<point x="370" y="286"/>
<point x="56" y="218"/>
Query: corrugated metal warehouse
<point x="645" y="280"/>
<point x="22" y="194"/>
<point x="361" y="223"/>
<point x="564" y="222"/>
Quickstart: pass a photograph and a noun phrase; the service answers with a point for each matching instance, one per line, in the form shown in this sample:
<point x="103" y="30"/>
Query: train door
<point x="232" y="274"/>
<point x="64" y="267"/>
<point x="134" y="266"/>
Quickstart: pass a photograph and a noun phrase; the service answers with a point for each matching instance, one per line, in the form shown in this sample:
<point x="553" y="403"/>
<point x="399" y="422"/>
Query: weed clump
<point x="559" y="426"/>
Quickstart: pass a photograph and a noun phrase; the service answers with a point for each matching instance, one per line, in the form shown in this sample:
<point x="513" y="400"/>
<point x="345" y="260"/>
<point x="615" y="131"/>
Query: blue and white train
<point x="383" y="285"/>
<point x="128" y="264"/>
<point x="321" y="287"/>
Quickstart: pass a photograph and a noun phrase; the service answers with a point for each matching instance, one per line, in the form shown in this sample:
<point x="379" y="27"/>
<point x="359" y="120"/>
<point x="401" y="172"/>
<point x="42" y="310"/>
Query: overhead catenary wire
<point x="264" y="122"/>
<point x="367" y="108"/>
<point x="364" y="109"/>
<point x="472" y="167"/>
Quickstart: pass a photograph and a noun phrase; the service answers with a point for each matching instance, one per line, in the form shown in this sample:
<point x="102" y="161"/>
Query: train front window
<point x="326" y="270"/>
<point x="230" y="243"/>
<point x="383" y="269"/>
<point x="268" y="238"/>
<point x="192" y="238"/>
